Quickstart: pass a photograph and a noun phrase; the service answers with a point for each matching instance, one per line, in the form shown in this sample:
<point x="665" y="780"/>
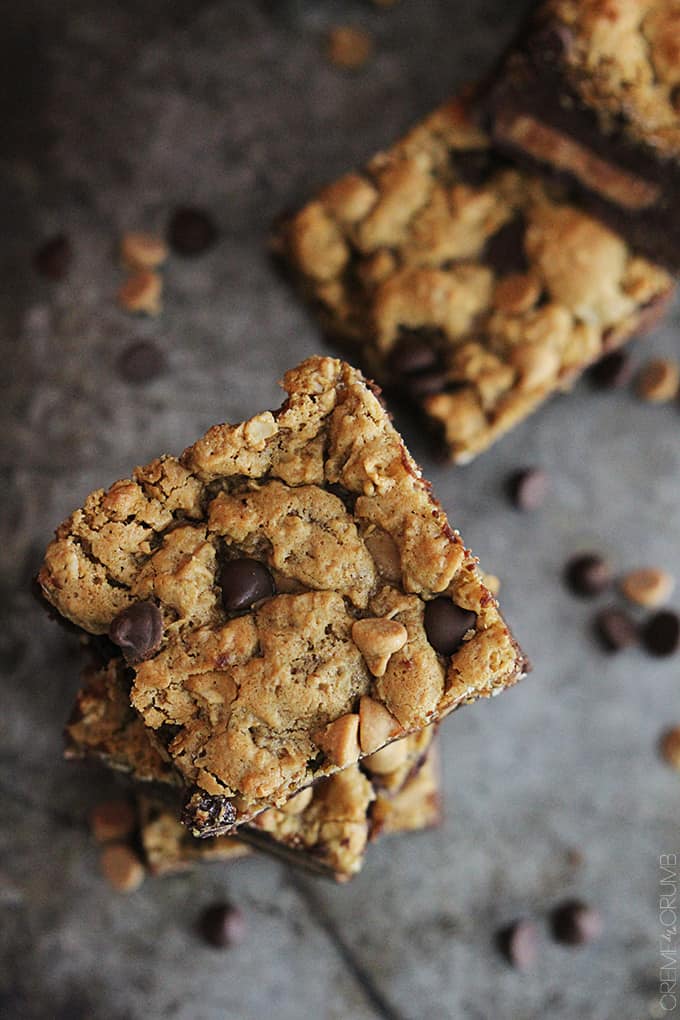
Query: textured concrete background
<point x="111" y="115"/>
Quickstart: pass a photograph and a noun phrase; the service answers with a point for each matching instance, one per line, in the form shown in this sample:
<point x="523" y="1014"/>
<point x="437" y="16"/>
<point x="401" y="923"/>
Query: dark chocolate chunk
<point x="446" y="624"/>
<point x="661" y="633"/>
<point x="426" y="383"/>
<point x="612" y="371"/>
<point x="191" y="231"/>
<point x="616" y="629"/>
<point x="138" y="631"/>
<point x="588" y="574"/>
<point x="244" y="582"/>
<point x="222" y="925"/>
<point x="528" y="488"/>
<point x="53" y="258"/>
<point x="412" y="353"/>
<point x="519" y="943"/>
<point x="204" y="813"/>
<point x="141" y="361"/>
<point x="575" y="923"/>
<point x="504" y="251"/>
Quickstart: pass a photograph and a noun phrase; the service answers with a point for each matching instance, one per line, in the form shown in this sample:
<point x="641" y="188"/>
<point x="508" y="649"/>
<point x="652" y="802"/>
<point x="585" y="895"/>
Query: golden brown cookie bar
<point x="288" y="593"/>
<point x="324" y="828"/>
<point x="591" y="91"/>
<point x="463" y="283"/>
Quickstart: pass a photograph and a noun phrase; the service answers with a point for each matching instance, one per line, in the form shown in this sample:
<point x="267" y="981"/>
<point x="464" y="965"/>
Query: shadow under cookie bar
<point x="288" y="595"/>
<point x="590" y="93"/>
<point x="325" y="828"/>
<point x="466" y="286"/>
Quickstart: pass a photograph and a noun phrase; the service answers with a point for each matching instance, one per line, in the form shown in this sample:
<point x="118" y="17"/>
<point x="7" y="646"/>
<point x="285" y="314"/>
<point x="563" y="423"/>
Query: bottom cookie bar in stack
<point x="325" y="828"/>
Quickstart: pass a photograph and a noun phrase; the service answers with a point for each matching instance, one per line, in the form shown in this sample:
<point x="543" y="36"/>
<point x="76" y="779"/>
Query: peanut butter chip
<point x="492" y="582"/>
<point x="659" y="381"/>
<point x="387" y="759"/>
<point x="648" y="586"/>
<point x="340" y="740"/>
<point x="669" y="746"/>
<point x="377" y="639"/>
<point x="297" y="804"/>
<point x="112" y="819"/>
<point x="142" y="293"/>
<point x="376" y="725"/>
<point x="122" y="867"/>
<point x="142" y="251"/>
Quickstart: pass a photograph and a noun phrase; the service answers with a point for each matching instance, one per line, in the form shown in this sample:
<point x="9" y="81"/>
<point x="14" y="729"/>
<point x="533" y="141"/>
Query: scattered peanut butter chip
<point x="659" y="380"/>
<point x="387" y="759"/>
<point x="112" y="819"/>
<point x="492" y="582"/>
<point x="376" y="725"/>
<point x="648" y="586"/>
<point x="377" y="639"/>
<point x="142" y="251"/>
<point x="669" y="746"/>
<point x="297" y="804"/>
<point x="348" y="47"/>
<point x="141" y="292"/>
<point x="122" y="867"/>
<point x="340" y="739"/>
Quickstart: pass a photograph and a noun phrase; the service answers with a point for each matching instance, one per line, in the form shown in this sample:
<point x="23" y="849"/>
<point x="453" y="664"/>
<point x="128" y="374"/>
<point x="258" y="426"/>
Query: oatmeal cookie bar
<point x="288" y="594"/>
<point x="463" y="283"/>
<point x="591" y="91"/>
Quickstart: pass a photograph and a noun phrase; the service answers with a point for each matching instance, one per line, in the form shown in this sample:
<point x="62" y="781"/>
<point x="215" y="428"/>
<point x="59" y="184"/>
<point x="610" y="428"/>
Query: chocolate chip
<point x="446" y="624"/>
<point x="588" y="574"/>
<point x="191" y="231"/>
<point x="138" y="631"/>
<point x="612" y="371"/>
<point x="575" y="923"/>
<point x="661" y="633"/>
<point x="616" y="629"/>
<point x="528" y="488"/>
<point x="204" y="813"/>
<point x="53" y="258"/>
<point x="412" y="353"/>
<point x="141" y="361"/>
<point x="519" y="943"/>
<point x="244" y="582"/>
<point x="504" y="251"/>
<point x="426" y="383"/>
<point x="222" y="925"/>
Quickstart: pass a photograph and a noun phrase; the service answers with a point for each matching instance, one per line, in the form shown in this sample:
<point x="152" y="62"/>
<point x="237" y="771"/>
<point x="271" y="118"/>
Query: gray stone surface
<point x="111" y="114"/>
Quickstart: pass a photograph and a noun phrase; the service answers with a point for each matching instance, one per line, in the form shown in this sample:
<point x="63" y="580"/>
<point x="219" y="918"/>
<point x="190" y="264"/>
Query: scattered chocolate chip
<point x="244" y="582"/>
<point x="446" y="624"/>
<point x="138" y="631"/>
<point x="612" y="371"/>
<point x="519" y="943"/>
<point x="661" y="633"/>
<point x="588" y="574"/>
<point x="191" y="231"/>
<point x="141" y="361"/>
<point x="616" y="629"/>
<point x="575" y="923"/>
<point x="222" y="925"/>
<point x="53" y="258"/>
<point x="412" y="353"/>
<point x="528" y="488"/>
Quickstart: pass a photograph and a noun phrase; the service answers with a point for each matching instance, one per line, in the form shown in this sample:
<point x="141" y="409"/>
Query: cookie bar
<point x="325" y="827"/>
<point x="464" y="284"/>
<point x="591" y="92"/>
<point x="288" y="594"/>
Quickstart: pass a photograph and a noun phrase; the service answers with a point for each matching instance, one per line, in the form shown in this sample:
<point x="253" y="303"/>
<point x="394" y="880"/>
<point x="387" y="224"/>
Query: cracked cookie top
<point x="623" y="60"/>
<point x="270" y="591"/>
<point x="463" y="282"/>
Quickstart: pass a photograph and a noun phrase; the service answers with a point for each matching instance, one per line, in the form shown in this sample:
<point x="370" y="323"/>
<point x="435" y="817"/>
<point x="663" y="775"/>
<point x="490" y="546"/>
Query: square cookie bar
<point x="464" y="284"/>
<point x="591" y="92"/>
<point x="324" y="828"/>
<point x="288" y="595"/>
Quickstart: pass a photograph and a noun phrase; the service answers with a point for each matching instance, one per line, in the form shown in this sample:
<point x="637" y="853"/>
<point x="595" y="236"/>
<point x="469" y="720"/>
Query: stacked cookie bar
<point x="474" y="287"/>
<point x="286" y="614"/>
